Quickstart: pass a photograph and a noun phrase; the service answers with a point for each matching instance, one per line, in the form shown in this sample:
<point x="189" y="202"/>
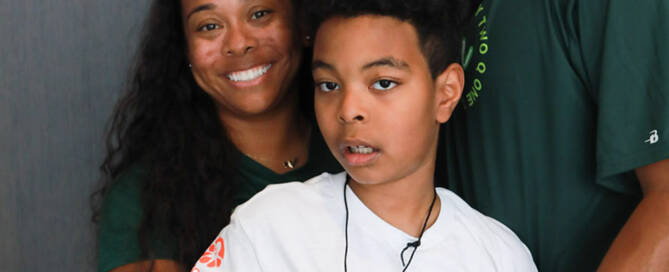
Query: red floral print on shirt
<point x="195" y="269"/>
<point x="214" y="255"/>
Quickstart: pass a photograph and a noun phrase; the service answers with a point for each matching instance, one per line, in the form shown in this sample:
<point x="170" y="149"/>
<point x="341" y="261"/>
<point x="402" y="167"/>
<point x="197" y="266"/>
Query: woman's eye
<point x="208" y="27"/>
<point x="328" y="86"/>
<point x="384" y="84"/>
<point x="260" y="14"/>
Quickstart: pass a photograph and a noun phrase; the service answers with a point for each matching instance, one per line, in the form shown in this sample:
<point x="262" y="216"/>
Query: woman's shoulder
<point x="125" y="188"/>
<point x="120" y="219"/>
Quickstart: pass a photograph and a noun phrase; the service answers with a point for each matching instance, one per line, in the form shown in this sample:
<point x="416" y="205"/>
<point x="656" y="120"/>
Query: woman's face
<point x="244" y="53"/>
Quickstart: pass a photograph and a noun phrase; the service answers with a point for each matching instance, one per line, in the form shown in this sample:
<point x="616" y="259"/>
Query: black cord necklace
<point x="414" y="244"/>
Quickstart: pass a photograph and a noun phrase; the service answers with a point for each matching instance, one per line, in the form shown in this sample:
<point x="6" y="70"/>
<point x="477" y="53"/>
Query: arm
<point x="120" y="218"/>
<point x="643" y="243"/>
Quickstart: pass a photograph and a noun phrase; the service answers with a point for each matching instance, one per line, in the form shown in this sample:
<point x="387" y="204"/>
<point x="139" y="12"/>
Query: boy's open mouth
<point x="360" y="155"/>
<point x="360" y="149"/>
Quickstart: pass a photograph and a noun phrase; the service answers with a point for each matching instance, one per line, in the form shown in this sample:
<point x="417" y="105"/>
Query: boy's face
<point x="376" y="103"/>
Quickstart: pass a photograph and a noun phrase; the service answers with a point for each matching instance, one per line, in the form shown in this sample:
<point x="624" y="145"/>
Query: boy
<point x="386" y="78"/>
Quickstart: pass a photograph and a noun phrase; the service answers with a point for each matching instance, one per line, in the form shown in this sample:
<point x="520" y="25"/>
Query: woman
<point x="212" y="115"/>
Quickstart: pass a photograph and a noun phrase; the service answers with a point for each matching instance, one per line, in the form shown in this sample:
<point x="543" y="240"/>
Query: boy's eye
<point x="208" y="27"/>
<point x="260" y="14"/>
<point x="328" y="86"/>
<point x="384" y="84"/>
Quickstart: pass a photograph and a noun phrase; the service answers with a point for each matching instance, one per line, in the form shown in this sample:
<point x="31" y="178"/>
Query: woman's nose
<point x="239" y="41"/>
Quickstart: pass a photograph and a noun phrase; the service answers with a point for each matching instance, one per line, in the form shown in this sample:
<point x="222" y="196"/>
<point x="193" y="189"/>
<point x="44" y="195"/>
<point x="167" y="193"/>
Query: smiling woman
<point x="217" y="108"/>
<point x="244" y="54"/>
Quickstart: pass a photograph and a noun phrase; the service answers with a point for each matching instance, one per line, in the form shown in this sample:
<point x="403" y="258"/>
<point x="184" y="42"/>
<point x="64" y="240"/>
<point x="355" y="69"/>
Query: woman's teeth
<point x="249" y="74"/>
<point x="361" y="149"/>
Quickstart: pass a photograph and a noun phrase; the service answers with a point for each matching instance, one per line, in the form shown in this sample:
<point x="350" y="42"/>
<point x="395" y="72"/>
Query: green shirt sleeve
<point x="623" y="48"/>
<point x="120" y="218"/>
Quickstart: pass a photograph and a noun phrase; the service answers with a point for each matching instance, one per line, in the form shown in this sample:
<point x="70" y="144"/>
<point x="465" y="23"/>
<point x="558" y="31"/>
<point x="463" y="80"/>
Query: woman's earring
<point x="307" y="41"/>
<point x="190" y="65"/>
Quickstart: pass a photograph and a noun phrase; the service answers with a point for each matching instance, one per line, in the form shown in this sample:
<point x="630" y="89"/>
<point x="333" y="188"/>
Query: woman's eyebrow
<point x="204" y="7"/>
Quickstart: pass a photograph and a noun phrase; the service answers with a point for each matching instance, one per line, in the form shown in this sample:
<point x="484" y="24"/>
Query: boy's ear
<point x="448" y="86"/>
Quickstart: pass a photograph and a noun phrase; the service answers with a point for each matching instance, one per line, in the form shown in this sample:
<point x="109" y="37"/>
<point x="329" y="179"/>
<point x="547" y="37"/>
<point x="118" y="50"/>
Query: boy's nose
<point x="352" y="108"/>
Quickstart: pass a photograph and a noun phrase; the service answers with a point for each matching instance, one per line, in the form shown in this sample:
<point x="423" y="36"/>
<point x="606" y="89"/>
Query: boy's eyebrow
<point x="319" y="64"/>
<point x="209" y="6"/>
<point x="387" y="61"/>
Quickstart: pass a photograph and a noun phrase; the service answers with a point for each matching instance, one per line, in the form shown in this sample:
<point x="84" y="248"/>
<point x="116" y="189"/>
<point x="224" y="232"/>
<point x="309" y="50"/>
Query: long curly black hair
<point x="170" y="127"/>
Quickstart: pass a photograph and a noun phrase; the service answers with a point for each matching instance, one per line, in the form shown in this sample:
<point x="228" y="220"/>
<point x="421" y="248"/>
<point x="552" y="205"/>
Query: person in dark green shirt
<point x="219" y="105"/>
<point x="563" y="130"/>
<point x="121" y="214"/>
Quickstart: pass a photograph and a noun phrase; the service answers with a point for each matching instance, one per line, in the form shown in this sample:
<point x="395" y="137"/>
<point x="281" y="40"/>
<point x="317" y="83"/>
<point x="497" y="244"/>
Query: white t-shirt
<point x="300" y="227"/>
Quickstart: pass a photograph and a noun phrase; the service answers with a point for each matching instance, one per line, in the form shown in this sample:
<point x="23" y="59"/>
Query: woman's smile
<point x="249" y="74"/>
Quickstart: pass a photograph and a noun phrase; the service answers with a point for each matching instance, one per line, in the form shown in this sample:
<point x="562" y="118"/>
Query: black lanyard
<point x="414" y="244"/>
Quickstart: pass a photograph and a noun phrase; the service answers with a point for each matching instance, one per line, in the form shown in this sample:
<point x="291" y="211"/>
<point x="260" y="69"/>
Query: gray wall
<point x="62" y="65"/>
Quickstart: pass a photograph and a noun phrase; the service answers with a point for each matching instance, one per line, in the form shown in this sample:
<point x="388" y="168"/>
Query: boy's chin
<point x="365" y="177"/>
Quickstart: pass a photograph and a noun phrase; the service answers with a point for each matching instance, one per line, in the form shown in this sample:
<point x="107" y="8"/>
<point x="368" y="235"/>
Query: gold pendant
<point x="290" y="164"/>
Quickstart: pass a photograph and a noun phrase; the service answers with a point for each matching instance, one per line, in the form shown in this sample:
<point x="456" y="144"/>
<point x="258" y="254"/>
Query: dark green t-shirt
<point x="564" y="99"/>
<point x="121" y="212"/>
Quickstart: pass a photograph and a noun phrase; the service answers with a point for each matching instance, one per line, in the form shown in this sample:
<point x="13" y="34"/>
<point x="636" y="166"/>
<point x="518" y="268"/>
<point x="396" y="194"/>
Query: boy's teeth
<point x="249" y="74"/>
<point x="361" y="149"/>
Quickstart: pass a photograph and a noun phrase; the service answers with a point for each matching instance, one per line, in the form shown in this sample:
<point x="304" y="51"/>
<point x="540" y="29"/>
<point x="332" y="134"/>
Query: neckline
<point x="364" y="218"/>
<point x="313" y="159"/>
